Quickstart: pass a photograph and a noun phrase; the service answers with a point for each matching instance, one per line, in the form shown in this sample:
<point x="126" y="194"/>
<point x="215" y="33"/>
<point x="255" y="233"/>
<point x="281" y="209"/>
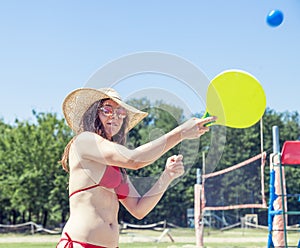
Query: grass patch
<point x="27" y="245"/>
<point x="184" y="238"/>
<point x="153" y="245"/>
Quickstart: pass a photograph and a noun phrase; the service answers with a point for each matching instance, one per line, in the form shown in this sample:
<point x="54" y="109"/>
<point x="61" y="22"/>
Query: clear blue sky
<point x="48" y="48"/>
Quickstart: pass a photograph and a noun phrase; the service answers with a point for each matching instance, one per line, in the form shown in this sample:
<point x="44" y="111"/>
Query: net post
<point x="275" y="133"/>
<point x="279" y="204"/>
<point x="198" y="211"/>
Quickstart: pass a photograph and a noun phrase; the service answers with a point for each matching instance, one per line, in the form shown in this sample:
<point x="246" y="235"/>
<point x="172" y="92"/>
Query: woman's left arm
<point x="140" y="206"/>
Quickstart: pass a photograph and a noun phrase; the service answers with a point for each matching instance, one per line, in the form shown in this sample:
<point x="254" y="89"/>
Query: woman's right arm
<point x="93" y="147"/>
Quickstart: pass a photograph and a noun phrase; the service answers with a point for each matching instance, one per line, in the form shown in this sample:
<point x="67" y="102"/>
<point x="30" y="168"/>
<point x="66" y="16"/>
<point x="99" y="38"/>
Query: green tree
<point x="6" y="175"/>
<point x="35" y="184"/>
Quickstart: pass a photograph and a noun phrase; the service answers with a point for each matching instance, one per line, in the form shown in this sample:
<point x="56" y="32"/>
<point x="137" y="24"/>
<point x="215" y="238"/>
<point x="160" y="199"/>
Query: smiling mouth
<point x="113" y="124"/>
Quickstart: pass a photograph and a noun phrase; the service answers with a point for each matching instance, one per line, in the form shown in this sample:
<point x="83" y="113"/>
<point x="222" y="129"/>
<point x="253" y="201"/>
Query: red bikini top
<point x="113" y="178"/>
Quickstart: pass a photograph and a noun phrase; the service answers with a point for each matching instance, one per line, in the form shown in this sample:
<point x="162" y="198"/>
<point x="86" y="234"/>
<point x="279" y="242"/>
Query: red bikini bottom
<point x="70" y="242"/>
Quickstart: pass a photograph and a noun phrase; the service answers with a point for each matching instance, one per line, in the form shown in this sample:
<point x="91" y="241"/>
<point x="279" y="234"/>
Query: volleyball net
<point x="236" y="187"/>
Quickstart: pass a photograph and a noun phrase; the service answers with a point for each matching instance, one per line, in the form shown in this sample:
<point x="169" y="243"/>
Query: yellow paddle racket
<point x="236" y="98"/>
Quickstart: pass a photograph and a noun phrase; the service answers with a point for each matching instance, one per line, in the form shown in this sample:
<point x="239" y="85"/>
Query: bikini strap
<point x="69" y="243"/>
<point x="84" y="189"/>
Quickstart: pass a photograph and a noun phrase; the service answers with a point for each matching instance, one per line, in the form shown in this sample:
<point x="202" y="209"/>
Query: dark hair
<point x="91" y="122"/>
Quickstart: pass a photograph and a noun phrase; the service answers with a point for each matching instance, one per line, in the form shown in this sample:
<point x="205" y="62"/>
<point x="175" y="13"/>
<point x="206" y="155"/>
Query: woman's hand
<point x="174" y="166"/>
<point x="195" y="127"/>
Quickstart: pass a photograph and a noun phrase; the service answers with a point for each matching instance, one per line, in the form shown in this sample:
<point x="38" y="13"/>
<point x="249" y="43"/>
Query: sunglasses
<point x="109" y="111"/>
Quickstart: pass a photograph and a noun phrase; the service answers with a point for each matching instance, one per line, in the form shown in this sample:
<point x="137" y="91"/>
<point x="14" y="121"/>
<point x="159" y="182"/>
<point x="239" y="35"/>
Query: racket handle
<point x="206" y="114"/>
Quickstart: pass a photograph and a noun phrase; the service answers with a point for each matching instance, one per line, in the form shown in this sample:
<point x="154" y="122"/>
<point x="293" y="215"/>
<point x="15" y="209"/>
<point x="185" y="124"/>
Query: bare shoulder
<point x="85" y="150"/>
<point x="89" y="146"/>
<point x="88" y="137"/>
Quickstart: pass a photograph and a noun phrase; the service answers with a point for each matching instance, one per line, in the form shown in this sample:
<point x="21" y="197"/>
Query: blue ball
<point x="275" y="18"/>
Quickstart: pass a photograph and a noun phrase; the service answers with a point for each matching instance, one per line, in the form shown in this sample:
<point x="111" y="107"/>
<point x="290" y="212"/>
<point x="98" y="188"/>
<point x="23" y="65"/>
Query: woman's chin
<point x="112" y="132"/>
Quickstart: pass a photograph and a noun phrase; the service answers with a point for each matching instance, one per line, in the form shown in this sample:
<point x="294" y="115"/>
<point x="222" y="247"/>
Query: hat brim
<point x="78" y="102"/>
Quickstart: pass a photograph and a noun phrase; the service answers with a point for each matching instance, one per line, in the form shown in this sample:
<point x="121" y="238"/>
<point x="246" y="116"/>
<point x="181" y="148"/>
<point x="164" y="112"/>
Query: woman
<point x="96" y="159"/>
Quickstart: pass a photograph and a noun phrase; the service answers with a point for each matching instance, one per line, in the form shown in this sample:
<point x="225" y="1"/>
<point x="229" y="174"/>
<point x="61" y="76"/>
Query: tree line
<point x="34" y="187"/>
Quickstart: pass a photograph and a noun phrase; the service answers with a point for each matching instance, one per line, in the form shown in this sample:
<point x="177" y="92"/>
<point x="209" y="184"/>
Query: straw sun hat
<point x="79" y="101"/>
